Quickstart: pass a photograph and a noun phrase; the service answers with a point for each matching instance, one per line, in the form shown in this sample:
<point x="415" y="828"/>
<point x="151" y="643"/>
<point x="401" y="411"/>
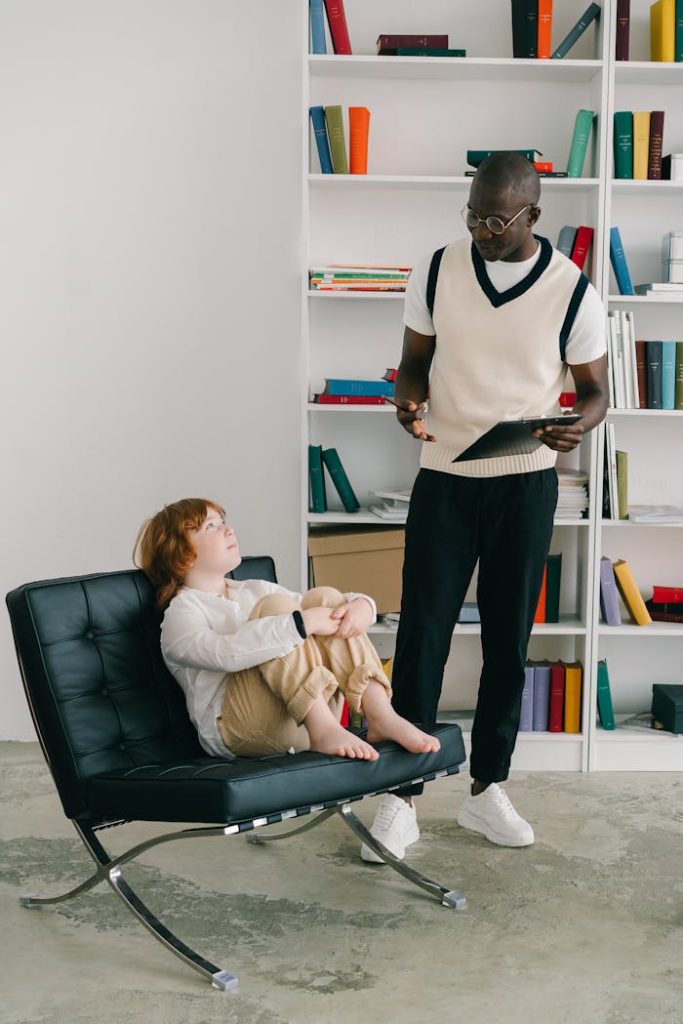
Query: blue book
<point x="541" y="702"/>
<point x="321" y="140"/>
<point x="592" y="12"/>
<point x="335" y="386"/>
<point x="653" y="360"/>
<point x="668" y="374"/>
<point x="565" y="240"/>
<point x="678" y="31"/>
<point x="526" y="718"/>
<point x="619" y="265"/>
<point x="315" y="8"/>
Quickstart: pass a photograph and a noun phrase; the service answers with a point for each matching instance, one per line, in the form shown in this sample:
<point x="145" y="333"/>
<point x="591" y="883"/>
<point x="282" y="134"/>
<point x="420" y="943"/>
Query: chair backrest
<point x="99" y="693"/>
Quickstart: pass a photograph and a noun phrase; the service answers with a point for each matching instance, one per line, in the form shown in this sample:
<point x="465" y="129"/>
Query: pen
<point x="422" y="408"/>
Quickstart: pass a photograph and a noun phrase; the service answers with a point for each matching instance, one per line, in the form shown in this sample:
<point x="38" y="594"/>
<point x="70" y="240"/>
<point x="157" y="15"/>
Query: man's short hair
<point x="509" y="171"/>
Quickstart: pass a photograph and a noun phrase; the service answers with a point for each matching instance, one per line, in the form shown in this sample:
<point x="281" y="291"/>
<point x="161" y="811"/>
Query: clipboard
<point x="513" y="437"/>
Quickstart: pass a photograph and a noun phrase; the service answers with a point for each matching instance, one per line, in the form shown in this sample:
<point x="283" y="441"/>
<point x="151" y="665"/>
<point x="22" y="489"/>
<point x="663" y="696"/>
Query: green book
<point x="605" y="709"/>
<point x="316" y="479"/>
<point x="583" y="126"/>
<point x="552" y="588"/>
<point x="623" y="144"/>
<point x="416" y="51"/>
<point x="477" y="156"/>
<point x="678" y="400"/>
<point x="622" y="484"/>
<point x="678" y="31"/>
<point x="335" y="133"/>
<point x="340" y="479"/>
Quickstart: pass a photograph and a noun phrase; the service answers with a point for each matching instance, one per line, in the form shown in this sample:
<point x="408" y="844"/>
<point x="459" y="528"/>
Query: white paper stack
<point x="655" y="513"/>
<point x="572" y="500"/>
<point x="394" y="505"/>
<point x="621" y="355"/>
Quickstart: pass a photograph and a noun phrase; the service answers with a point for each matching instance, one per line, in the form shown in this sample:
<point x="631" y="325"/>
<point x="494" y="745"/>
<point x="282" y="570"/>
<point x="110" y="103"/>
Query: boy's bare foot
<point x="327" y="736"/>
<point x="385" y="724"/>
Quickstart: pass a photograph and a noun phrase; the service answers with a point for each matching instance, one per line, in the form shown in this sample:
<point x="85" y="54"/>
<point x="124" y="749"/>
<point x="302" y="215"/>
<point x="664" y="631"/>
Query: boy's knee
<point x="274" y="604"/>
<point x="323" y="597"/>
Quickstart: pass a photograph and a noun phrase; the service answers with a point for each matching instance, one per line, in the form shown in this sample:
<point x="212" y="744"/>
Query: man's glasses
<point x="495" y="225"/>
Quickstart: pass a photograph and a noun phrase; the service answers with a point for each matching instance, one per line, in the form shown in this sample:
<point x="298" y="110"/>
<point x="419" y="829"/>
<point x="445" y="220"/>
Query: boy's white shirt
<point x="204" y="636"/>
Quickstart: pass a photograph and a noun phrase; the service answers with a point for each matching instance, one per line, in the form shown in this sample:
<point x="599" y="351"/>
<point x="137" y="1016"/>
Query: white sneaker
<point x="492" y="815"/>
<point x="395" y="826"/>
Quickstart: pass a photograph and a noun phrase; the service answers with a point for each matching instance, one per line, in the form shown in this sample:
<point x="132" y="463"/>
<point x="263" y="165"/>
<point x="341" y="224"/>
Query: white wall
<point x="150" y="176"/>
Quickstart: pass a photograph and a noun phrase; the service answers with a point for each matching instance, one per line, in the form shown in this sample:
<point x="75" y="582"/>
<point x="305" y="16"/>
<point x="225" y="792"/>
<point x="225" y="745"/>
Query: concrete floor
<point x="585" y="927"/>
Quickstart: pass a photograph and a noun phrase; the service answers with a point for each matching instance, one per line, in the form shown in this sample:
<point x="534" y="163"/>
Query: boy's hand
<point x="320" y="621"/>
<point x="353" y="618"/>
<point x="559" y="438"/>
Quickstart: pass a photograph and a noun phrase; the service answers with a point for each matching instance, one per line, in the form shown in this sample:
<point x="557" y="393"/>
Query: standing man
<point x="490" y="329"/>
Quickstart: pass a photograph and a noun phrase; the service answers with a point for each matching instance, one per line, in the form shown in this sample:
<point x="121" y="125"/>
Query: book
<point x="359" y="129"/>
<point x="592" y="13"/>
<point x="678" y="31"/>
<point x="317" y="115"/>
<point x="667" y="595"/>
<point x="337" y="139"/>
<point x="630" y="594"/>
<point x="641" y="370"/>
<point x="662" y="30"/>
<point x="317" y="26"/>
<point x="658" y="614"/>
<point x="583" y="126"/>
<point x="565" y="240"/>
<point x="612" y="469"/>
<point x="323" y="399"/>
<point x="477" y="156"/>
<point x="426" y="51"/>
<point x="316" y="479"/>
<point x="573" y="677"/>
<point x="609" y="600"/>
<point x="672" y="167"/>
<point x="641" y="143"/>
<point x="340" y="480"/>
<point x="339" y="31"/>
<point x="623" y="29"/>
<point x="543" y="166"/>
<point x="582" y="243"/>
<point x="524" y="28"/>
<point x="390" y="374"/>
<point x="623" y="144"/>
<point x="622" y="484"/>
<point x="552" y="589"/>
<point x="656" y="513"/>
<point x="678" y="393"/>
<point x="630" y="330"/>
<point x="541" y="700"/>
<point x="539" y="614"/>
<point x="541" y="174"/>
<point x="655" y="148"/>
<point x="658" y="286"/>
<point x="619" y="265"/>
<point x="668" y="374"/>
<point x="338" y="386"/>
<point x="387" y="43"/>
<point x="653" y="356"/>
<point x="545" y="29"/>
<point x="526" y="717"/>
<point x="556" y="700"/>
<point x="604" y="694"/>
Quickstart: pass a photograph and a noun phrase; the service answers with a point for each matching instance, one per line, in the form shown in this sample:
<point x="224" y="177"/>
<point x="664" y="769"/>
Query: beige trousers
<point x="264" y="707"/>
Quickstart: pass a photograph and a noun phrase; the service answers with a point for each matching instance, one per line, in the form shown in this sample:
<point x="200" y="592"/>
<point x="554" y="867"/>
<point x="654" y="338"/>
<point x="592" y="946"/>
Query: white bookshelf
<point x="408" y="205"/>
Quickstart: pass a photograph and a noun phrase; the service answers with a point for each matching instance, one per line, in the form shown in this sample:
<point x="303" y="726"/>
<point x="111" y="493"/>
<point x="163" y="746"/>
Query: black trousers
<point x="505" y="523"/>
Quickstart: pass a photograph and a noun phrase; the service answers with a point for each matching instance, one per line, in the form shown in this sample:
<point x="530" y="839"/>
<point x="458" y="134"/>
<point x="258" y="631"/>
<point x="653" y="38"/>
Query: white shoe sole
<point x="474" y="824"/>
<point x="372" y="858"/>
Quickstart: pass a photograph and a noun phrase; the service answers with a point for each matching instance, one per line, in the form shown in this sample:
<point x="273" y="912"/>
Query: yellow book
<point x="662" y="30"/>
<point x="631" y="595"/>
<point x="641" y="143"/>
<point x="573" y="675"/>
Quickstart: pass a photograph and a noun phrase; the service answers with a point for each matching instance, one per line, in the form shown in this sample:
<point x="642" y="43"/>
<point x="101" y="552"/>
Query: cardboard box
<point x="367" y="561"/>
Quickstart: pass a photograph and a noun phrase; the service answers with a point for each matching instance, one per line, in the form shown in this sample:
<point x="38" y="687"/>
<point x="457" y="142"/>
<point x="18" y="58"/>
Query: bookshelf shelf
<point x="630" y="185"/>
<point x="643" y="300"/>
<point x="647" y="72"/>
<point x="355" y="296"/>
<point x="645" y="412"/>
<point x="490" y="69"/>
<point x="435" y="182"/>
<point x="673" y="630"/>
<point x="625" y="524"/>
<point x="340" y="518"/>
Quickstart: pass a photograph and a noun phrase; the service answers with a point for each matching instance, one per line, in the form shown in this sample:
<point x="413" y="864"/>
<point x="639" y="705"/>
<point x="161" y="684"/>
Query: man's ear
<point x="534" y="214"/>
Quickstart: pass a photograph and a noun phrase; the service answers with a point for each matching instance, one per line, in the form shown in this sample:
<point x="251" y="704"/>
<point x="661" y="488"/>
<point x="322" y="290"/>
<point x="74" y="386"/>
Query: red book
<point x="389" y="44"/>
<point x="544" y="30"/>
<point x="641" y="370"/>
<point x="349" y="399"/>
<point x="654" y="160"/>
<point x="390" y="374"/>
<point x="623" y="21"/>
<point x="556" y="705"/>
<point x="543" y="166"/>
<point x="667" y="595"/>
<point x="345" y="715"/>
<point x="582" y="243"/>
<point x="336" y="19"/>
<point x="539" y="615"/>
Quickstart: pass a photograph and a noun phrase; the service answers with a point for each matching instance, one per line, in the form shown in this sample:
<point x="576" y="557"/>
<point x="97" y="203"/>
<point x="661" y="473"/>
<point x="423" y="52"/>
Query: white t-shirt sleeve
<point x="416" y="314"/>
<point x="586" y="340"/>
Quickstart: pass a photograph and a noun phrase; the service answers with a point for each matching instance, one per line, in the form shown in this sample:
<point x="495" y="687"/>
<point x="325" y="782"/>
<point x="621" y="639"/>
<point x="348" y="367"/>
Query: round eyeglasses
<point x="495" y="225"/>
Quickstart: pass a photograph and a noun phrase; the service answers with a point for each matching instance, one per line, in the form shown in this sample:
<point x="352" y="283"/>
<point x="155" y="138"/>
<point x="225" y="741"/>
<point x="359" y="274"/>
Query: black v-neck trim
<point x="497" y="298"/>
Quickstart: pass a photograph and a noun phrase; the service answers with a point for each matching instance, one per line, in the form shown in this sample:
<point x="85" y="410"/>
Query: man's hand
<point x="411" y="417"/>
<point x="353" y="618"/>
<point x="321" y="621"/>
<point x="559" y="438"/>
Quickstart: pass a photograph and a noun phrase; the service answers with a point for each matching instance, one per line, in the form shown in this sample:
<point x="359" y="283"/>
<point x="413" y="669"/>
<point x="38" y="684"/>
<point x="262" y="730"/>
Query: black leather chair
<point x="115" y="733"/>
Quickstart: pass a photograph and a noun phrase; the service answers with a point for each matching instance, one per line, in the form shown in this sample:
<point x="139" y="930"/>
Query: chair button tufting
<point x="122" y="746"/>
<point x="104" y="691"/>
<point x="89" y="635"/>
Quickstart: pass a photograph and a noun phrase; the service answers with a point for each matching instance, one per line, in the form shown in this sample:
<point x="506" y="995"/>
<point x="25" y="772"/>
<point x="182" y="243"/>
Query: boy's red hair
<point x="163" y="549"/>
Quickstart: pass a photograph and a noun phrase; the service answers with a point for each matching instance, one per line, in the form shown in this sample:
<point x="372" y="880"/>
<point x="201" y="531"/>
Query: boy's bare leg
<point x="385" y="724"/>
<point x="327" y="736"/>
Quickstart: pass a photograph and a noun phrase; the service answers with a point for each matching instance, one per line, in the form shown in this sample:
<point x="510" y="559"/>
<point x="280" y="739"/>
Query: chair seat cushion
<point x="210" y="790"/>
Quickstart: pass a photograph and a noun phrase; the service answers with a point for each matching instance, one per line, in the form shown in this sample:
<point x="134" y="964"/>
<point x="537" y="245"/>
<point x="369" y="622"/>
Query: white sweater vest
<point x="498" y="356"/>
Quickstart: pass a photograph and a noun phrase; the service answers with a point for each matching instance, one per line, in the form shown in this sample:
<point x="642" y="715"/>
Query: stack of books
<point x="359" y="277"/>
<point x="638" y="142"/>
<point x="336" y="20"/>
<point x="655" y="513"/>
<point x="393" y="505"/>
<point x="342" y="391"/>
<point x="330" y="139"/>
<point x="551" y="699"/>
<point x="666" y="31"/>
<point x="532" y="22"/>
<point x="666" y="604"/>
<point x="672" y="268"/>
<point x="545" y="168"/>
<point x="572" y="500"/>
<point x="320" y="459"/>
<point x="575" y="243"/>
<point x="643" y="374"/>
<point x="616" y="578"/>
<point x="672" y="253"/>
<point x="615" y="479"/>
<point x="412" y="45"/>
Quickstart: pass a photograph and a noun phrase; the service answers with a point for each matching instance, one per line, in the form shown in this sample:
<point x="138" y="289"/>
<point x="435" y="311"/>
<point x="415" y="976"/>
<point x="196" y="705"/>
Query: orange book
<point x="539" y="615"/>
<point x="545" y="27"/>
<point x="359" y="128"/>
